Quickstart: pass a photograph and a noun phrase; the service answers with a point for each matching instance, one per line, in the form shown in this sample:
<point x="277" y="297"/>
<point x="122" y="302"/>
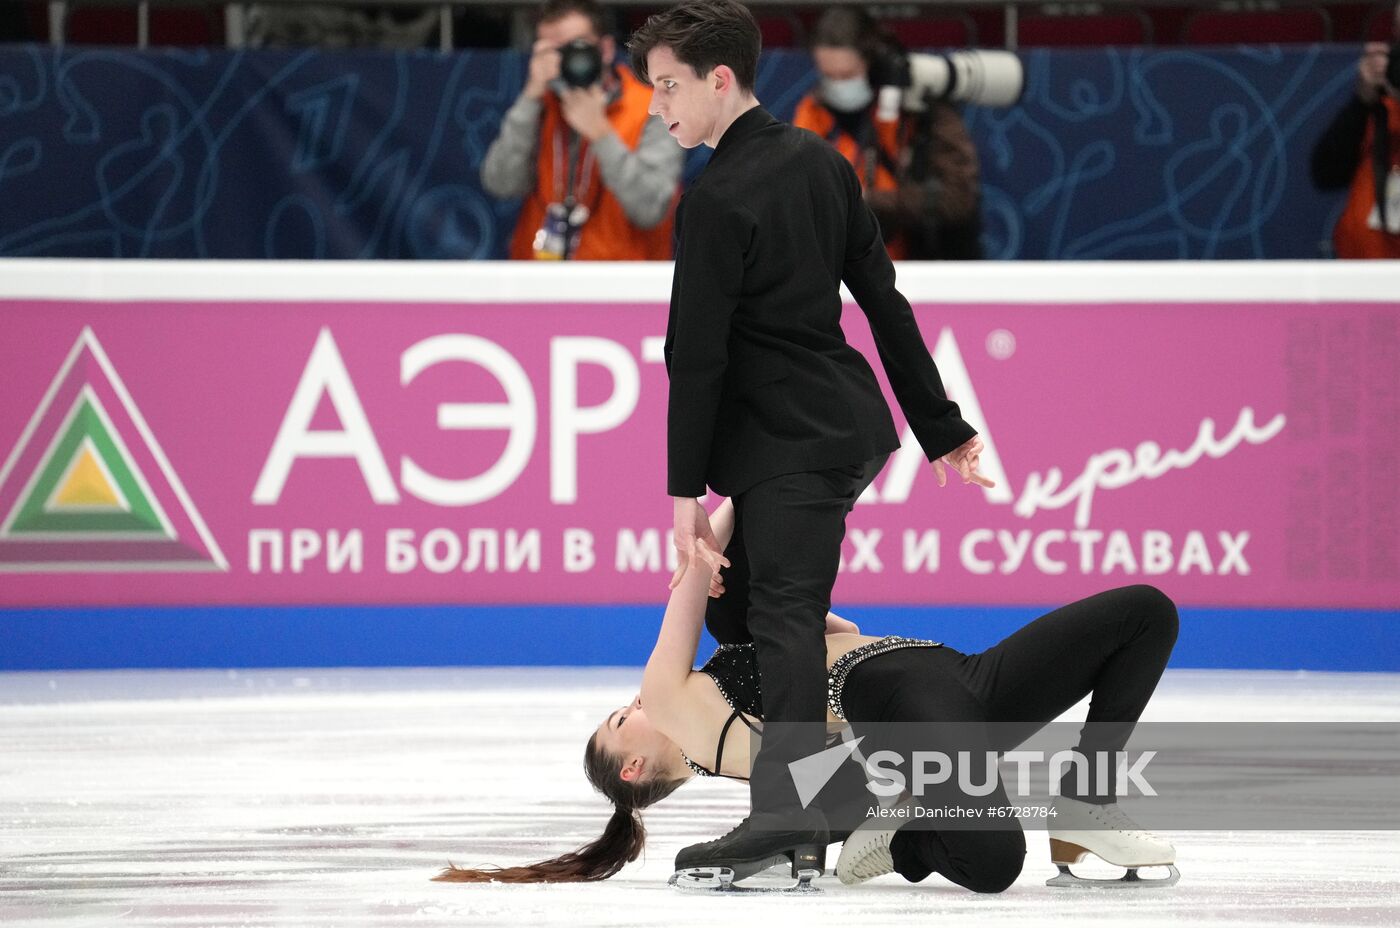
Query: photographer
<point x="918" y="170"/>
<point x="598" y="174"/>
<point x="1361" y="148"/>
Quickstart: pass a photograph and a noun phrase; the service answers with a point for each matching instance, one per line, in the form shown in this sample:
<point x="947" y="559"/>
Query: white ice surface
<point x="327" y="798"/>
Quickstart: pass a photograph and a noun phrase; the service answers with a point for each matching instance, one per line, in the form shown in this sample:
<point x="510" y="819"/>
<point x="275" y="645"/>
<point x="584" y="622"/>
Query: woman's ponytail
<point x="620" y="843"/>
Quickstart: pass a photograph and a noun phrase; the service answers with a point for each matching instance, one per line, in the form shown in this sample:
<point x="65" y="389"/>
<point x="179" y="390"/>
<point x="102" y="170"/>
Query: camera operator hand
<point x="1370" y="72"/>
<point x="544" y="67"/>
<point x="585" y="109"/>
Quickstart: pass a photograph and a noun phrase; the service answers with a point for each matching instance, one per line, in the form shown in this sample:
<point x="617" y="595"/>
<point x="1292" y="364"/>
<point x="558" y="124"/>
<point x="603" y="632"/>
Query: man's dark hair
<point x="849" y="27"/>
<point x="551" y="10"/>
<point x="703" y="34"/>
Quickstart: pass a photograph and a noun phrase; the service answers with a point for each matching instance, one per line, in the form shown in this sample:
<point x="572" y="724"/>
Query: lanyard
<point x="579" y="176"/>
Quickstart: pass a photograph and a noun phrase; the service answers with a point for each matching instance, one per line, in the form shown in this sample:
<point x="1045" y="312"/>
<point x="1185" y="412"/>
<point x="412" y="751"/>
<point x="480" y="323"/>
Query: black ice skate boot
<point x="761" y="841"/>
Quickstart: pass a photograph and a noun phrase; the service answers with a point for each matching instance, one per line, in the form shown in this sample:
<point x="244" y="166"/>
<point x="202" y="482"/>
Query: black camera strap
<point x="1380" y="159"/>
<point x="922" y="141"/>
<point x="861" y="128"/>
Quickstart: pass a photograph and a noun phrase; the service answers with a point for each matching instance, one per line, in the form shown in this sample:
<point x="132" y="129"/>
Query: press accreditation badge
<point x="1392" y="206"/>
<point x="558" y="235"/>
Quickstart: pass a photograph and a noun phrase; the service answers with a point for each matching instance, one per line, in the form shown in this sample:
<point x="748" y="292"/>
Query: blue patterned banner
<point x="1170" y="153"/>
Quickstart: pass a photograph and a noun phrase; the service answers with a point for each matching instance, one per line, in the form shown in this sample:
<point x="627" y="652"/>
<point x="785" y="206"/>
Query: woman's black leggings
<point x="1114" y="645"/>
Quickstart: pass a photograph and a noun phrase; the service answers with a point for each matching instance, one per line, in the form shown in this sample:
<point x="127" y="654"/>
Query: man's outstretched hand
<point x="964" y="459"/>
<point x="695" y="540"/>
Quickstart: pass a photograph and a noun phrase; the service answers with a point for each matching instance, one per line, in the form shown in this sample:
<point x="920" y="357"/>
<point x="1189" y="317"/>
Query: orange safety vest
<point x="608" y="235"/>
<point x="872" y="171"/>
<point x="1354" y="237"/>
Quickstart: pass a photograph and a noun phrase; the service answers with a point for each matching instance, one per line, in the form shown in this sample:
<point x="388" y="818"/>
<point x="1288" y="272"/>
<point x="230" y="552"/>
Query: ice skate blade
<point x="721" y="880"/>
<point x="1129" y="880"/>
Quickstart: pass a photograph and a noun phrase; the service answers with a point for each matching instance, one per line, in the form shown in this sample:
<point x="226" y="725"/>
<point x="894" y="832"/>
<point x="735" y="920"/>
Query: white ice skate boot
<point x="866" y="853"/>
<point x="1082" y="828"/>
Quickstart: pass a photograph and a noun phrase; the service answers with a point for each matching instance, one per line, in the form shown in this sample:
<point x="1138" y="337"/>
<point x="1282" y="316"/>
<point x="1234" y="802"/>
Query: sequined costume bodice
<point x="734" y="668"/>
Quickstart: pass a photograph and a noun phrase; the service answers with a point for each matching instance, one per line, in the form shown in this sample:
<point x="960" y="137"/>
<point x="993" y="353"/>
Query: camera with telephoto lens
<point x="987" y="78"/>
<point x="580" y="63"/>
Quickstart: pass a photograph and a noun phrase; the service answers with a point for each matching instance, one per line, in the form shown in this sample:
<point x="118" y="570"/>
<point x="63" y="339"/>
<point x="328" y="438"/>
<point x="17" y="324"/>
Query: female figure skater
<point x="1114" y="645"/>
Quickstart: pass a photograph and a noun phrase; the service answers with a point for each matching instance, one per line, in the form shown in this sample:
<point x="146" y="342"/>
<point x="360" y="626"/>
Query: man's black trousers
<point x="784" y="557"/>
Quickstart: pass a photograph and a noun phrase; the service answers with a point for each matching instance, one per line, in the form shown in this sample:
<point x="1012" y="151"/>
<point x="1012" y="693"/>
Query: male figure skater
<point x="768" y="404"/>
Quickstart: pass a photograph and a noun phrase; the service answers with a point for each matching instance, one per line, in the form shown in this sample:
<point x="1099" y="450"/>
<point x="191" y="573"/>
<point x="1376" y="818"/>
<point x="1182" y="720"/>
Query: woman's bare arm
<point x="835" y="625"/>
<point x="673" y="658"/>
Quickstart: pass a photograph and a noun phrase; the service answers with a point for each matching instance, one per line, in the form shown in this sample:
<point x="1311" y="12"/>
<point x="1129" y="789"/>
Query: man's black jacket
<point x="762" y="380"/>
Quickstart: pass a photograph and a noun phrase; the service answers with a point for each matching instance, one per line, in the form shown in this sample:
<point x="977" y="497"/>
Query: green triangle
<point x="141" y="516"/>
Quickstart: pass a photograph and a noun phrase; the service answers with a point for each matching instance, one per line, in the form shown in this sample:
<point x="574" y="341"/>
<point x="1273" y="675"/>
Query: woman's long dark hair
<point x="620" y="843"/>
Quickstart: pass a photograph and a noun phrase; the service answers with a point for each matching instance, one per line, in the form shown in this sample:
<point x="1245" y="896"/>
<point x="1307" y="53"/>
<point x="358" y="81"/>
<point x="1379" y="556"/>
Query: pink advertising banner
<point x="306" y="451"/>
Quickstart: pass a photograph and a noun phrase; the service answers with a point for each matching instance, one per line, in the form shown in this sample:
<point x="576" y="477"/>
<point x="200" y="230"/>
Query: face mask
<point x="849" y="95"/>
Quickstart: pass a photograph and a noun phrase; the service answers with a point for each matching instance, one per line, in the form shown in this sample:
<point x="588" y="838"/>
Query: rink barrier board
<point x="609" y="635"/>
<point x="163" y="348"/>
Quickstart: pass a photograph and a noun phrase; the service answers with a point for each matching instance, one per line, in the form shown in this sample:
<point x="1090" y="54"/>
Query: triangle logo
<point x="88" y="488"/>
<point x="810" y="774"/>
<point x="87" y="483"/>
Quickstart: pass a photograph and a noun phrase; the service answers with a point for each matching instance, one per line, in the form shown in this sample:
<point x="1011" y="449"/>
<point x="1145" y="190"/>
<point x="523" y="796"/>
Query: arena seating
<point x="102" y="22"/>
<point x="935" y="30"/>
<point x="1234" y="27"/>
<point x="1110" y="27"/>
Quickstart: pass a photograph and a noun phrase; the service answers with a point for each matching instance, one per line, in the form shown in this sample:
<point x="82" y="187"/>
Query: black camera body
<point x="580" y="64"/>
<point x="889" y="66"/>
